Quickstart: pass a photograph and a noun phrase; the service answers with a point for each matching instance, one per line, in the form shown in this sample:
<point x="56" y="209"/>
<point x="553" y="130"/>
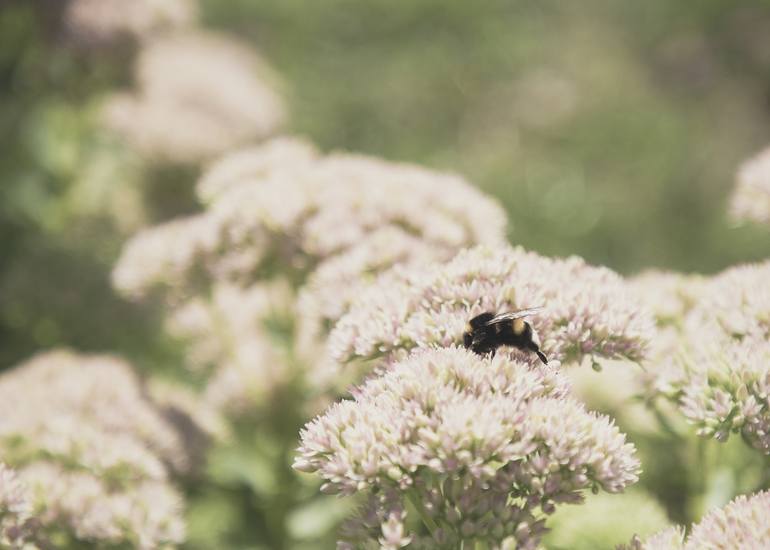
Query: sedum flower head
<point x="734" y="305"/>
<point x="336" y="283"/>
<point x="238" y="338"/>
<point x="178" y="115"/>
<point x="588" y="310"/>
<point x="95" y="451"/>
<point x="165" y="255"/>
<point x="466" y="436"/>
<point x="725" y="389"/>
<point x="17" y="522"/>
<point x="289" y="218"/>
<point x="668" y="294"/>
<point x="56" y="398"/>
<point x="716" y="371"/>
<point x="751" y="197"/>
<point x="671" y="296"/>
<point x="98" y="22"/>
<point x="740" y="524"/>
<point x="232" y="337"/>
<point x="326" y="225"/>
<point x="145" y="514"/>
<point x="254" y="164"/>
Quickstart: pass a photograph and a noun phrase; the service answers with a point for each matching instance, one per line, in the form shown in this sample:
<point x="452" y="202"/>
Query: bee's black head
<point x="480" y="321"/>
<point x="467" y="339"/>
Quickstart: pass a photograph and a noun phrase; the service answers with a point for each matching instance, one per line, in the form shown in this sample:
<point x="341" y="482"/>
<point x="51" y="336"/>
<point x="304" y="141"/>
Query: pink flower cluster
<point x="95" y="452"/>
<point x="715" y="362"/>
<point x="740" y="524"/>
<point x="17" y="524"/>
<point x="283" y="220"/>
<point x="751" y="197"/>
<point x="588" y="310"/>
<point x="177" y="116"/>
<point x="484" y="446"/>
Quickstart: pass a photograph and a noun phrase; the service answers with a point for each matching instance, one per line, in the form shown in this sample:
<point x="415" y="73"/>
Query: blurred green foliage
<point x="604" y="521"/>
<point x="609" y="129"/>
<point x="69" y="193"/>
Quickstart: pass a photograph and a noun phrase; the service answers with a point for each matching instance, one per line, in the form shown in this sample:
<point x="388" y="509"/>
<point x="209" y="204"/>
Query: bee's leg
<point x="492" y="353"/>
<point x="541" y="356"/>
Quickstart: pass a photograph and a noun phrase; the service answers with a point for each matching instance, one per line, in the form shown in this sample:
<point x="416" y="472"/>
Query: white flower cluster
<point x="337" y="282"/>
<point x="735" y="305"/>
<point x="251" y="165"/>
<point x="716" y="364"/>
<point x="740" y="524"/>
<point x="484" y="446"/>
<point x="199" y="95"/>
<point x="97" y="22"/>
<point x="229" y="337"/>
<point x="588" y="310"/>
<point x="282" y="215"/>
<point x="671" y="296"/>
<point x="296" y="214"/>
<point x="668" y="294"/>
<point x="94" y="450"/>
<point x="17" y="523"/>
<point x="725" y="389"/>
<point x="751" y="197"/>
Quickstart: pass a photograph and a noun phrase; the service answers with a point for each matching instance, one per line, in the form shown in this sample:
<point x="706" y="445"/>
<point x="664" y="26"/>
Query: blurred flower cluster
<point x="17" y="524"/>
<point x="751" y="197"/>
<point x="288" y="237"/>
<point x="712" y="353"/>
<point x="740" y="524"/>
<point x="178" y="116"/>
<point x="103" y="22"/>
<point x="95" y="452"/>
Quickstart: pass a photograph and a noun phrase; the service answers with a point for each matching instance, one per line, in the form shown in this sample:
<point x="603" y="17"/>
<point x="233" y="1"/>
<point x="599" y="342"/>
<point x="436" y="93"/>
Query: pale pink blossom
<point x="255" y="164"/>
<point x="588" y="311"/>
<point x="463" y="434"/>
<point x="98" y="22"/>
<point x="18" y="526"/>
<point x="715" y="367"/>
<point x="95" y="449"/>
<point x="735" y="303"/>
<point x="145" y="514"/>
<point x="740" y="524"/>
<point x="199" y="94"/>
<point x="751" y="197"/>
<point x="238" y="339"/>
<point x="288" y="218"/>
<point x="670" y="295"/>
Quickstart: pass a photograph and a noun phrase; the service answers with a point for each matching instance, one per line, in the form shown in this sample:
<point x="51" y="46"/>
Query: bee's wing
<point x="511" y="315"/>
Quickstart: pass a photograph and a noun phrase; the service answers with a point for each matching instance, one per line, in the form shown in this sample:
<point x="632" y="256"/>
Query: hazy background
<point x="611" y="130"/>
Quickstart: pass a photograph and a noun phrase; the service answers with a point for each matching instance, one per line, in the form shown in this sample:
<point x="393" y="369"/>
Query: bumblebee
<point x="488" y="331"/>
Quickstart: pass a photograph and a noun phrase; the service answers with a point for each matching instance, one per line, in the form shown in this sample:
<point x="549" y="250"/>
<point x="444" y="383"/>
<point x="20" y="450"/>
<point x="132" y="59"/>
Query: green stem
<point x="662" y="420"/>
<point x="700" y="481"/>
<point x="426" y="519"/>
